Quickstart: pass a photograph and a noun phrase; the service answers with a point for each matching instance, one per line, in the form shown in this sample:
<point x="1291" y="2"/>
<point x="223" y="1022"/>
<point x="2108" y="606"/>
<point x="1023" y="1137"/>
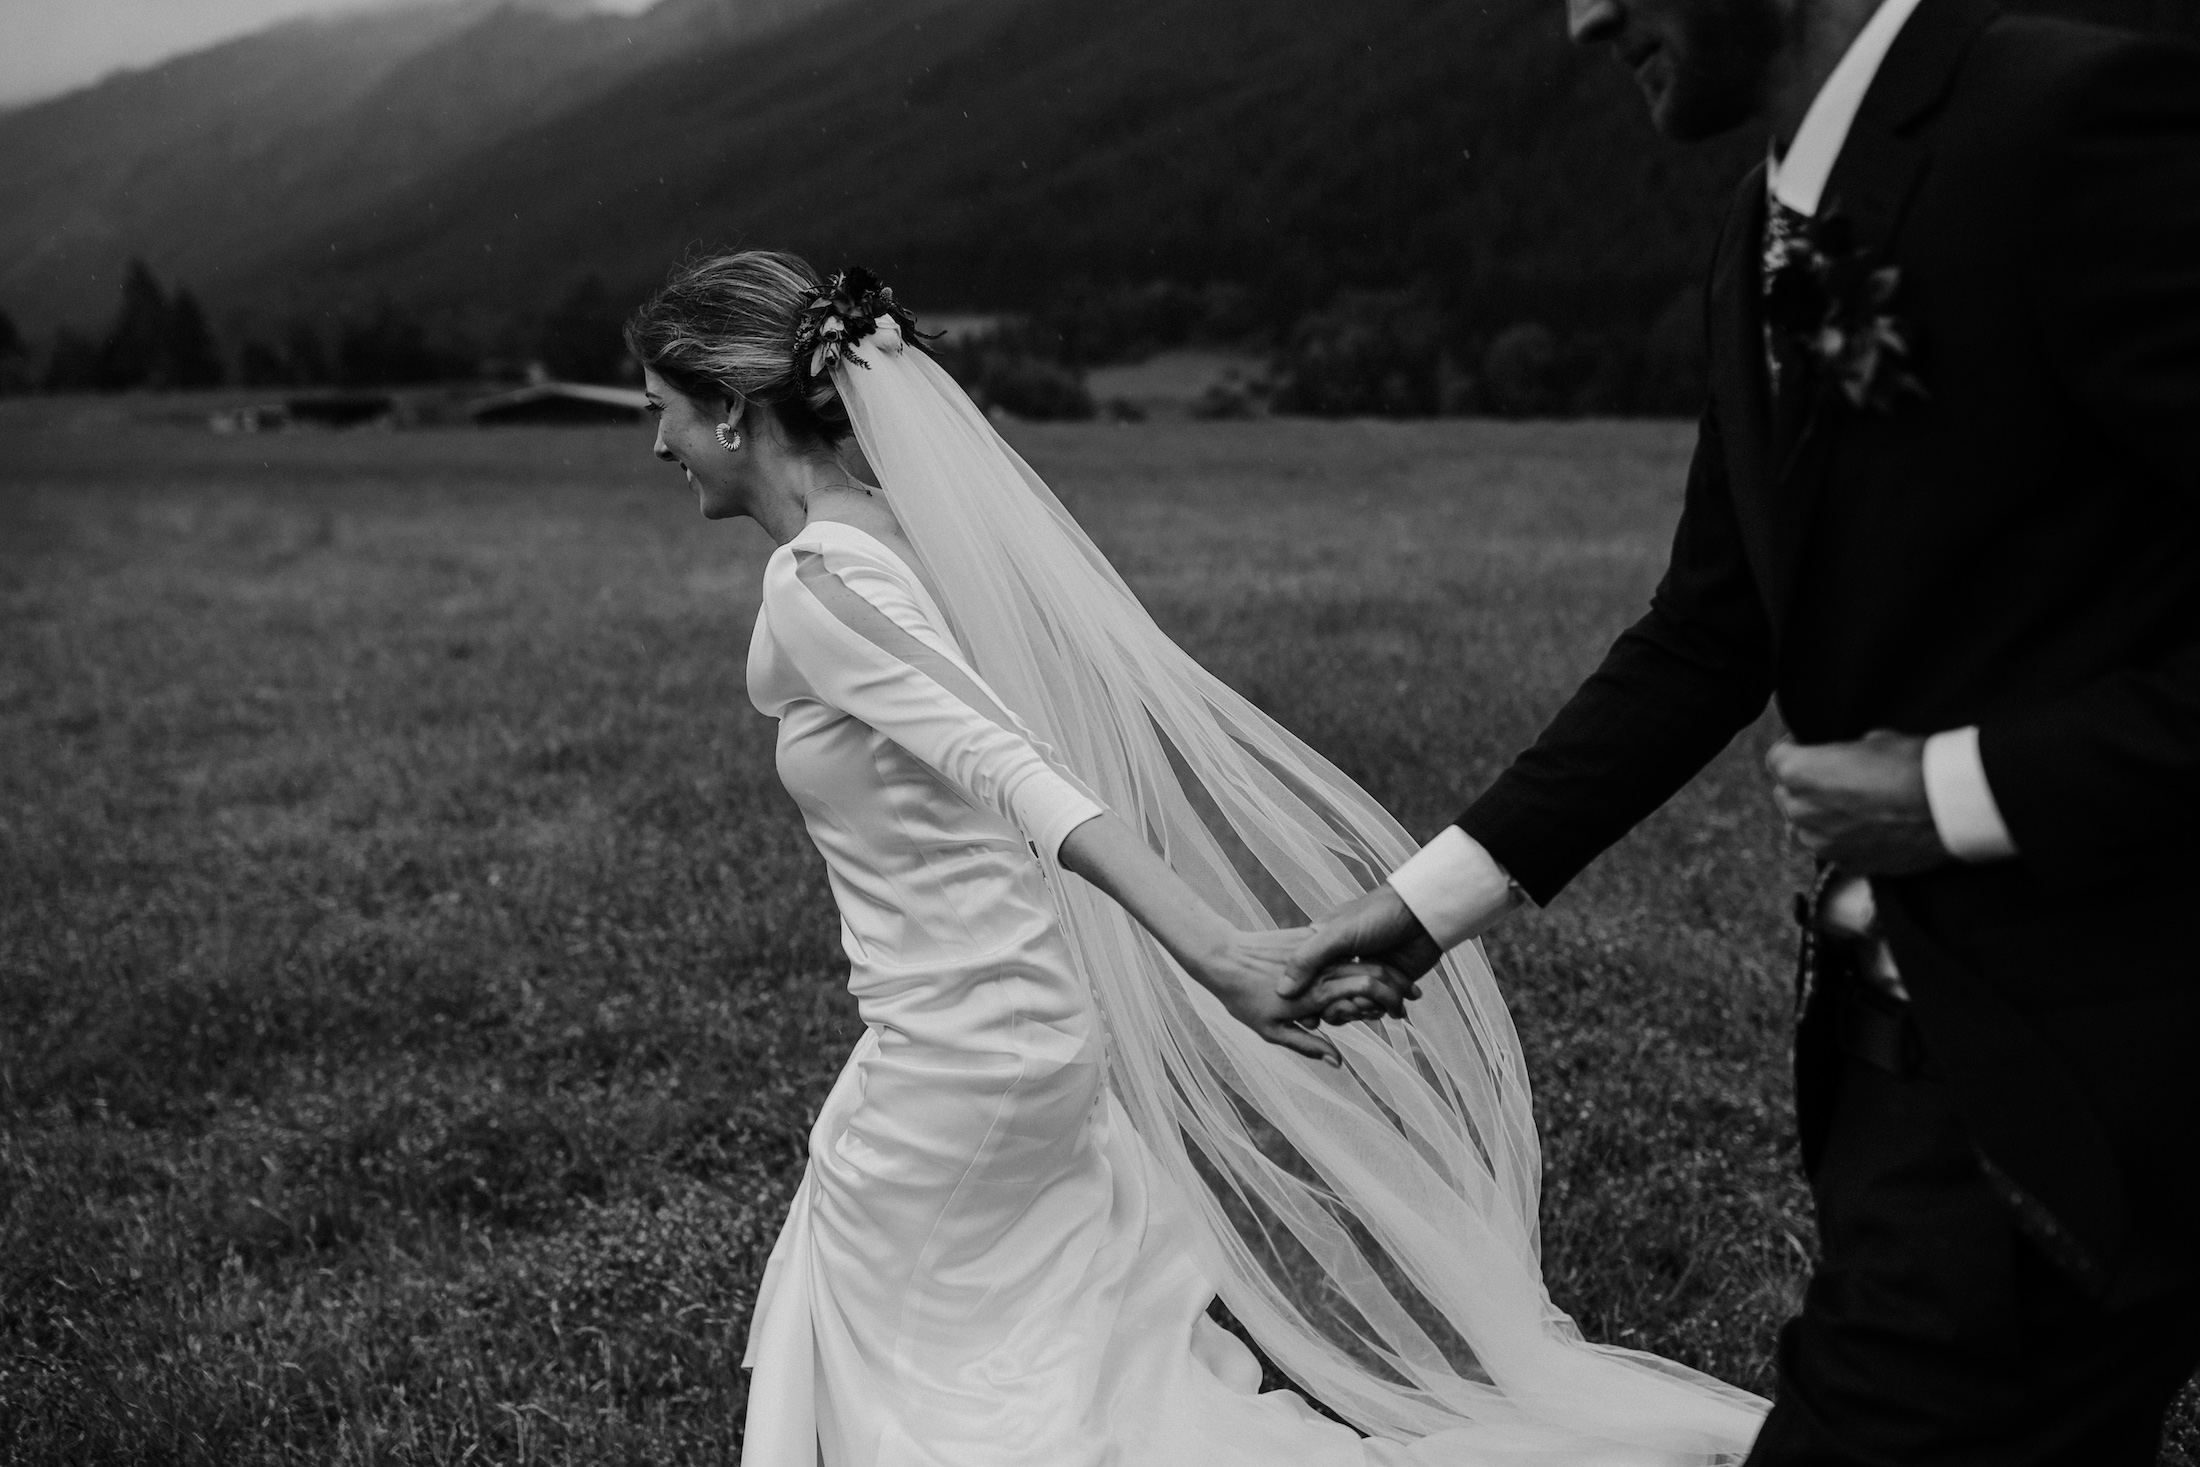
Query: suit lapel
<point x="1738" y="382"/>
<point x="1872" y="183"/>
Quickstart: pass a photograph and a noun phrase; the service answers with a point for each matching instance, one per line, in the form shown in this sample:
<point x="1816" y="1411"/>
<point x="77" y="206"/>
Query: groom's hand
<point x="1859" y="805"/>
<point x="1378" y="929"/>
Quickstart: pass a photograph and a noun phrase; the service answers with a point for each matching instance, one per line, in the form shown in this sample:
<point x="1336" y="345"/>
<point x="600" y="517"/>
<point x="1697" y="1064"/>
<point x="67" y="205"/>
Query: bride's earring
<point x="729" y="441"/>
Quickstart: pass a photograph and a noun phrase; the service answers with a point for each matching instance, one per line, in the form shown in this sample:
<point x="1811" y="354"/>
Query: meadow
<point x="415" y="988"/>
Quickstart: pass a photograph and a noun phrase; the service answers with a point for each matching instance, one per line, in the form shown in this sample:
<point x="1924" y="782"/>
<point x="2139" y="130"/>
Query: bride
<point x="1069" y="863"/>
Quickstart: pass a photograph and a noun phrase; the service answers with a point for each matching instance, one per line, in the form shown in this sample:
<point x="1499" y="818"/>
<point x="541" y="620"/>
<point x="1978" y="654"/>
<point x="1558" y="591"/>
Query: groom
<point x="1945" y="507"/>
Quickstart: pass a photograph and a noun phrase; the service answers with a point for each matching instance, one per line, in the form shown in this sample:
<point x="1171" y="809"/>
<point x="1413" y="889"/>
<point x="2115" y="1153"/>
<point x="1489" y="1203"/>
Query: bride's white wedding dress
<point x="979" y="1266"/>
<point x="1051" y="1149"/>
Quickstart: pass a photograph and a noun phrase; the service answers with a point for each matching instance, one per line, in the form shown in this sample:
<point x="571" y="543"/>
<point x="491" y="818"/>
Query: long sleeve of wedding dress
<point x="861" y="633"/>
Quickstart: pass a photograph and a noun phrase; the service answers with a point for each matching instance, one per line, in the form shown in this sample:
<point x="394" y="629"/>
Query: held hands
<point x="1861" y="805"/>
<point x="1247" y="972"/>
<point x="1243" y="969"/>
<point x="1376" y="938"/>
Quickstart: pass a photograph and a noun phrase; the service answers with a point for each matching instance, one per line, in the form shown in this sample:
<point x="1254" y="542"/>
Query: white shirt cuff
<point x="1964" y="811"/>
<point x="1454" y="886"/>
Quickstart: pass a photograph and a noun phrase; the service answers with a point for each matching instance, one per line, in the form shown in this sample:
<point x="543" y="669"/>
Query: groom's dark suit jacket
<point x="2020" y="550"/>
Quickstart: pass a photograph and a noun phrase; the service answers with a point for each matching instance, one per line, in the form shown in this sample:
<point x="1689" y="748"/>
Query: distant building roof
<point x="560" y="402"/>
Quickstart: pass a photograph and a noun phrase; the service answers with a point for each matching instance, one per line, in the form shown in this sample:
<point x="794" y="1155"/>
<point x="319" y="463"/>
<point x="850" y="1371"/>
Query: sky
<point x="53" y="46"/>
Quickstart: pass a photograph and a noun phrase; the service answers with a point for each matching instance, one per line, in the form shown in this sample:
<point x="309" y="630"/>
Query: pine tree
<point x="583" y="340"/>
<point x="305" y="358"/>
<point x="132" y="353"/>
<point x="258" y="365"/>
<point x="75" y="363"/>
<point x="391" y="348"/>
<point x="15" y="357"/>
<point x="188" y="358"/>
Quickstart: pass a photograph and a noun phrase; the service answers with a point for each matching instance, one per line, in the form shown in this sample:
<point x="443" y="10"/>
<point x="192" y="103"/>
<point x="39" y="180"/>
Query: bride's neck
<point x="801" y="486"/>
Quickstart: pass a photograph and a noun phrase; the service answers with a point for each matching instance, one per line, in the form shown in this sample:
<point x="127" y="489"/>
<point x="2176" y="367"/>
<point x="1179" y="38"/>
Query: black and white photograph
<point x="1099" y="733"/>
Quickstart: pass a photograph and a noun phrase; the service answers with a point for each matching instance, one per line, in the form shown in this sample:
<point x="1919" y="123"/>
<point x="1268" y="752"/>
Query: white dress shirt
<point x="1799" y="178"/>
<point x="1453" y="884"/>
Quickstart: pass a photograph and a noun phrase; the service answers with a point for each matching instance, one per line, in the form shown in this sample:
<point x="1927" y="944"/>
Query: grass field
<point x="414" y="987"/>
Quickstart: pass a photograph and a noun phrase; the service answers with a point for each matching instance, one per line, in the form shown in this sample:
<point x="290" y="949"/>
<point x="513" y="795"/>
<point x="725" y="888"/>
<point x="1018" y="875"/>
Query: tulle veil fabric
<point x="1374" y="1227"/>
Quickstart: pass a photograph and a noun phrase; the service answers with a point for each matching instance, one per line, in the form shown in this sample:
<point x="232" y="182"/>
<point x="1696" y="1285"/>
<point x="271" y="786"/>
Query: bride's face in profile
<point x="687" y="436"/>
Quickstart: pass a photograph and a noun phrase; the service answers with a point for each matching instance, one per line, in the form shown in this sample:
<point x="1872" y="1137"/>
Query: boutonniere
<point x="855" y="304"/>
<point x="1833" y="306"/>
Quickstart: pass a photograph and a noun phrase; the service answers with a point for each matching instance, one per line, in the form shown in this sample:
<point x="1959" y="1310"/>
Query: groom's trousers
<point x="1933" y="1333"/>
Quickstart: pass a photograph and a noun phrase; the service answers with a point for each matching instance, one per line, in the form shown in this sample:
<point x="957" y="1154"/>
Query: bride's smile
<point x="687" y="436"/>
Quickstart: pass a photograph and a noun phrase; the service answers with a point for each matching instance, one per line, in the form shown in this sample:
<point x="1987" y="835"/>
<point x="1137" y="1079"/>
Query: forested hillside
<point x="475" y="164"/>
<point x="208" y="165"/>
<point x="988" y="152"/>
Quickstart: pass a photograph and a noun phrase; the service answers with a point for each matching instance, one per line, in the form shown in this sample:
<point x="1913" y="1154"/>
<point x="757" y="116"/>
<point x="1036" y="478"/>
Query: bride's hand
<point x="1244" y="972"/>
<point x="1248" y="971"/>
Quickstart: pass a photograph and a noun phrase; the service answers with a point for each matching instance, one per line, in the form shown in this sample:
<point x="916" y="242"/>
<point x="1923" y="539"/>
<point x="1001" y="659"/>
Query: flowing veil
<point x="1374" y="1226"/>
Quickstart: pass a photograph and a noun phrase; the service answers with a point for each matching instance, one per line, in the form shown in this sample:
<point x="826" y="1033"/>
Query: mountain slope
<point x="987" y="150"/>
<point x="87" y="178"/>
<point x="477" y="160"/>
<point x="205" y="163"/>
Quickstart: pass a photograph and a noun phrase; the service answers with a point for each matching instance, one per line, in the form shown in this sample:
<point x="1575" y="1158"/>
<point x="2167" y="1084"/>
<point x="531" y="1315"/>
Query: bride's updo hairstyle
<point x="726" y="326"/>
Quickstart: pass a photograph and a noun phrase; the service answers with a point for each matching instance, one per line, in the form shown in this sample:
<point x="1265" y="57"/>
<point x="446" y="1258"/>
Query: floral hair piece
<point x="853" y="305"/>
